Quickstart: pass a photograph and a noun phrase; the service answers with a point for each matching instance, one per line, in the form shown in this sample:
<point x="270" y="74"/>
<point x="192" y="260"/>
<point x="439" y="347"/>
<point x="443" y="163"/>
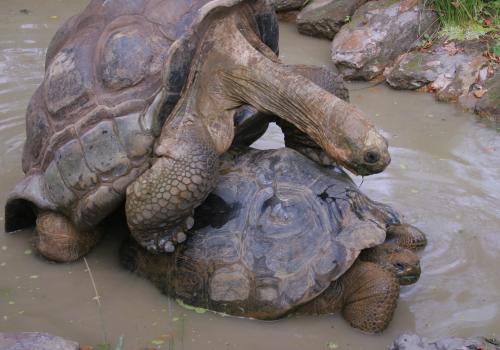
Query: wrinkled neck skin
<point x="233" y="67"/>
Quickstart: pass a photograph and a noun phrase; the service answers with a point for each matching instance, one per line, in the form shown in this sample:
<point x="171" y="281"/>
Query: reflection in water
<point x="444" y="178"/>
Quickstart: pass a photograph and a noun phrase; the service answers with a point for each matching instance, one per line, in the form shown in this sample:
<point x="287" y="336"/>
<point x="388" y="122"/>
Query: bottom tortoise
<point x="282" y="234"/>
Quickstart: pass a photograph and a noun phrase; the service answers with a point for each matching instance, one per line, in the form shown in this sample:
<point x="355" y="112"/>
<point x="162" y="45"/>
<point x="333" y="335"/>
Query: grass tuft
<point x="467" y="19"/>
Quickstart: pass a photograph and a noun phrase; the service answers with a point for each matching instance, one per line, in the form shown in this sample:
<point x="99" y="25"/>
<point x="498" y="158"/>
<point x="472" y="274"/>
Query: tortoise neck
<point x="235" y="68"/>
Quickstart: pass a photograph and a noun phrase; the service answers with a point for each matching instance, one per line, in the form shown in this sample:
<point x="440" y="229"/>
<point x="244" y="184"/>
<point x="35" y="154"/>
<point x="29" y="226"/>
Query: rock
<point x="414" y="342"/>
<point x="378" y="33"/>
<point x="489" y="105"/>
<point x="455" y="72"/>
<point x="416" y="69"/>
<point x="35" y="341"/>
<point x="288" y="16"/>
<point x="287" y="5"/>
<point x="324" y="18"/>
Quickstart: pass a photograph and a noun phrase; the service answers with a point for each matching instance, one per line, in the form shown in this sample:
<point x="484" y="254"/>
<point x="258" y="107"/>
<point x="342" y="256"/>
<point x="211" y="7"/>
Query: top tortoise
<point x="138" y="102"/>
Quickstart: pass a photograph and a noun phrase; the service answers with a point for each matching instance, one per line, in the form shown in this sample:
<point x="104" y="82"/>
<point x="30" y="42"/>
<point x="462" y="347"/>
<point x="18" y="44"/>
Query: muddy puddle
<point x="444" y="178"/>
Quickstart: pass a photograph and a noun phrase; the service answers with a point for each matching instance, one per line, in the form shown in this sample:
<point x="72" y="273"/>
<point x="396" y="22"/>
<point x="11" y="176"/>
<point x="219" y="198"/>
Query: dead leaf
<point x="479" y="93"/>
<point x="452" y="49"/>
<point x="491" y="56"/>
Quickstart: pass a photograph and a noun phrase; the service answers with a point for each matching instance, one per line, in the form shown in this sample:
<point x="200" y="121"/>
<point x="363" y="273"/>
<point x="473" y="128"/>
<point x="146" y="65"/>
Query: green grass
<point x="467" y="19"/>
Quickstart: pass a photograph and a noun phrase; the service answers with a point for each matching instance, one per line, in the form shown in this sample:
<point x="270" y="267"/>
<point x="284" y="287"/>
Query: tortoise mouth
<point x="365" y="169"/>
<point x="374" y="162"/>
<point x="407" y="274"/>
<point x="406" y="280"/>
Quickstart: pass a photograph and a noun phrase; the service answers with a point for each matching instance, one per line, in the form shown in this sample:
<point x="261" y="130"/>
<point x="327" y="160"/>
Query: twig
<point x="98" y="300"/>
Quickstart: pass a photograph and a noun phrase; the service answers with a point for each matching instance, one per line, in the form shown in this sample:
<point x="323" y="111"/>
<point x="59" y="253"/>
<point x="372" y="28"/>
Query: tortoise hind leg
<point x="58" y="239"/>
<point x="160" y="203"/>
<point x="370" y="296"/>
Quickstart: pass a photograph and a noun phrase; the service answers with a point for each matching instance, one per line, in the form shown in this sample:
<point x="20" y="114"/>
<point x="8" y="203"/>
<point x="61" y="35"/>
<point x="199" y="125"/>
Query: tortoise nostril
<point x="399" y="267"/>
<point x="371" y="157"/>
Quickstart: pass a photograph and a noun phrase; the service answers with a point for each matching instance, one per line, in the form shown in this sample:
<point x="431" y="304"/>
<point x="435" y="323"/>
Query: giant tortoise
<point x="137" y="105"/>
<point x="281" y="233"/>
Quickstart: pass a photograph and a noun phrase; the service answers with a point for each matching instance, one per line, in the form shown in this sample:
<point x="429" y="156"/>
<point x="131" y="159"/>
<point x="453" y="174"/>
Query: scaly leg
<point x="58" y="239"/>
<point x="370" y="296"/>
<point x="160" y="202"/>
<point x="367" y="295"/>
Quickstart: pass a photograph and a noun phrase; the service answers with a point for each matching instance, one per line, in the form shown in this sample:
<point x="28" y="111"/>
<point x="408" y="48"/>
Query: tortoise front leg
<point x="160" y="203"/>
<point x="367" y="295"/>
<point x="370" y="296"/>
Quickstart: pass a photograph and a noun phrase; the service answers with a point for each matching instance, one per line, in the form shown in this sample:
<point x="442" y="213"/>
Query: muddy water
<point x="444" y="178"/>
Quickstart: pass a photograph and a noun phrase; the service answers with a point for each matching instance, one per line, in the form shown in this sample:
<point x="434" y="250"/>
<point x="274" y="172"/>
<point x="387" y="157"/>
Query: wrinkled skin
<point x="281" y="233"/>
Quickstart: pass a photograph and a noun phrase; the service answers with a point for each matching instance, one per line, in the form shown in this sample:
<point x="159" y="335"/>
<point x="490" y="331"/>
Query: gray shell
<point x="113" y="74"/>
<point x="274" y="234"/>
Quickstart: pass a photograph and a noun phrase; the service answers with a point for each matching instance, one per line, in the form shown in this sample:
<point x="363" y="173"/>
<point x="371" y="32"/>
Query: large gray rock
<point x="324" y="18"/>
<point x="454" y="72"/>
<point x="35" y="341"/>
<point x="415" y="342"/>
<point x="378" y="33"/>
<point x="288" y="5"/>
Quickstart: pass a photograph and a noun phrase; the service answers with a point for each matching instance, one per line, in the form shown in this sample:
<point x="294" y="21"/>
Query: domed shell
<point x="113" y="74"/>
<point x="274" y="234"/>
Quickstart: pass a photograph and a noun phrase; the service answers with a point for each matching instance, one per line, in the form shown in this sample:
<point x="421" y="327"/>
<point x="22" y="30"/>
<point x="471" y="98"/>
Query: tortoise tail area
<point x="24" y="202"/>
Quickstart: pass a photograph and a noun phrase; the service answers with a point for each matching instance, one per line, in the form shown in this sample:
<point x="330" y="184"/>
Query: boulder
<point x="411" y="341"/>
<point x="287" y="5"/>
<point x="324" y="18"/>
<point x="377" y="34"/>
<point x="35" y="341"/>
<point x="455" y="72"/>
<point x="489" y="105"/>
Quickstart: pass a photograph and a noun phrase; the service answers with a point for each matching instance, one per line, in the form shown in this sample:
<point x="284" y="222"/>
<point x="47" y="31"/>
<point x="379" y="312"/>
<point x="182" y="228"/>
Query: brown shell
<point x="274" y="234"/>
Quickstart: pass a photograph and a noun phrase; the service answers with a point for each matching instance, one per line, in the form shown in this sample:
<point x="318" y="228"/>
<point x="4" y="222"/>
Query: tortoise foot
<point x="166" y="240"/>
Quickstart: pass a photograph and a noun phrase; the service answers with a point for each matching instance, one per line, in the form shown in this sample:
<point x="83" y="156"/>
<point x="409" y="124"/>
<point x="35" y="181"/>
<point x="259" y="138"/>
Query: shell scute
<point x="229" y="283"/>
<point x="38" y="130"/>
<point x="56" y="189"/>
<point x="125" y="58"/>
<point x="64" y="82"/>
<point x="73" y="168"/>
<point x="136" y="142"/>
<point x="103" y="151"/>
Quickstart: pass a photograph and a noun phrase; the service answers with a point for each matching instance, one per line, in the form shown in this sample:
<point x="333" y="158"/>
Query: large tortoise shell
<point x="277" y="230"/>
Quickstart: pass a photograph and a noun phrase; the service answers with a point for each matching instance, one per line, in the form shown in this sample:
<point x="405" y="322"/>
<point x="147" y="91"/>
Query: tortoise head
<point x="234" y="68"/>
<point x="404" y="263"/>
<point x="350" y="138"/>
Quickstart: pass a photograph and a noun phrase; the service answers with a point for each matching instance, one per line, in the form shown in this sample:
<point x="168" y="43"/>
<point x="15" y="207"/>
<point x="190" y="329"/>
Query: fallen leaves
<point x="198" y="310"/>
<point x="452" y="49"/>
<point x="479" y="93"/>
<point x="491" y="56"/>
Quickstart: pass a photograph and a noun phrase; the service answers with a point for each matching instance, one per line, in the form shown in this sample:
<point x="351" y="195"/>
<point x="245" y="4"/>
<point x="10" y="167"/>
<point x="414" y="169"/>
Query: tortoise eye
<point x="371" y="157"/>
